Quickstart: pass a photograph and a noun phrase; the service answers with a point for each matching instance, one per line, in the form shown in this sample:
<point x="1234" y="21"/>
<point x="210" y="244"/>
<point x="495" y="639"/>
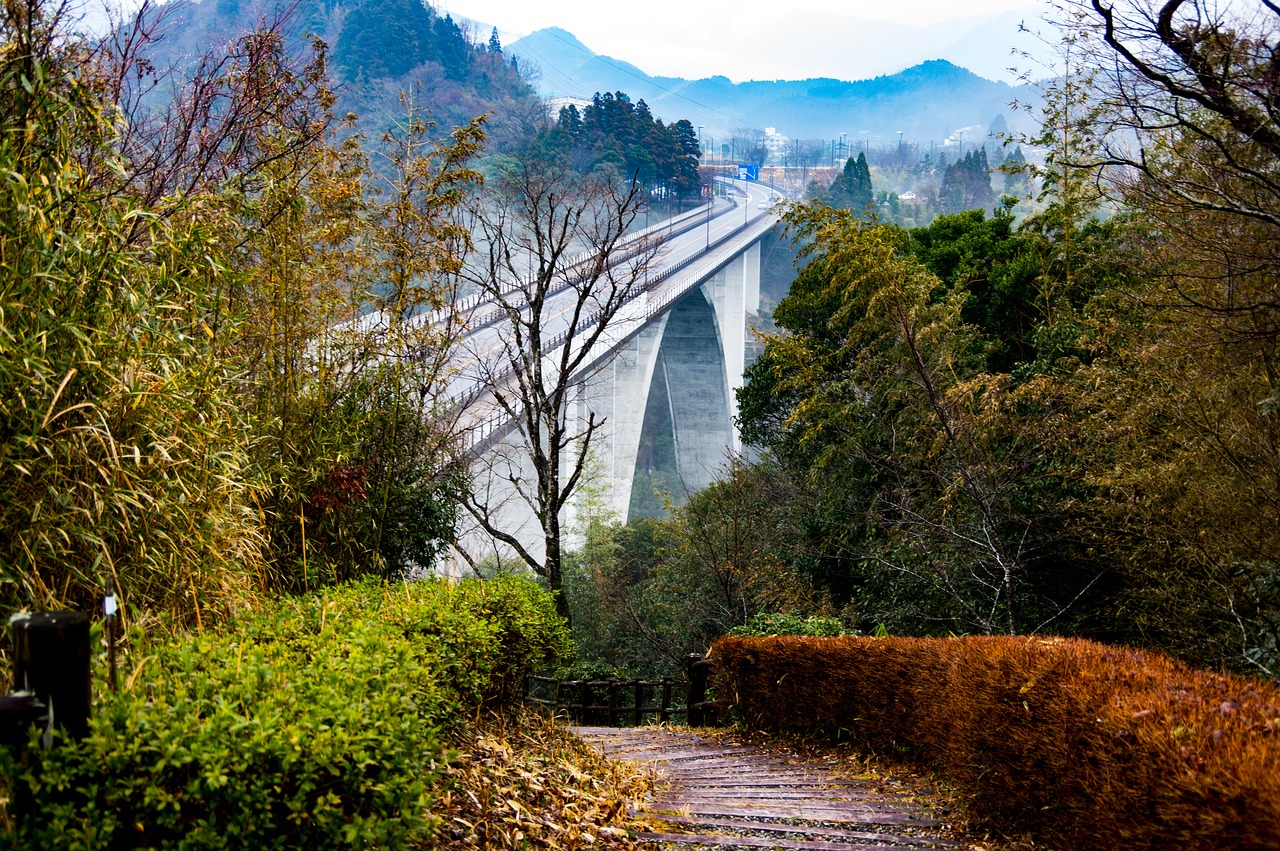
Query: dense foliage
<point x="910" y="185"/>
<point x="189" y="405"/>
<point x="1061" y="422"/>
<point x="659" y="589"/>
<point x="1064" y="424"/>
<point x="388" y="38"/>
<point x="323" y="720"/>
<point x="966" y="184"/>
<point x="764" y="624"/>
<point x="377" y="50"/>
<point x="613" y="133"/>
<point x="851" y="189"/>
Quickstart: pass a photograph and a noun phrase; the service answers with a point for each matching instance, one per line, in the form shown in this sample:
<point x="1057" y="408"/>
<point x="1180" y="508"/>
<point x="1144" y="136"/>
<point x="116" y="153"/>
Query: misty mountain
<point x="929" y="101"/>
<point x="380" y="48"/>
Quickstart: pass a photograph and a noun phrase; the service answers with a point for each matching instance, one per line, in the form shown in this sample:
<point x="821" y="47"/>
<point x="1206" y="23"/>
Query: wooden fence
<point x="621" y="703"/>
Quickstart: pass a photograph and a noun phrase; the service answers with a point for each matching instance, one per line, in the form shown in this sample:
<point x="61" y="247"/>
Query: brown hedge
<point x="1085" y="746"/>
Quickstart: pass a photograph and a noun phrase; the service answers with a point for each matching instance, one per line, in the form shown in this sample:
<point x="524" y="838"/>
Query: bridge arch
<point x="695" y="352"/>
<point x="689" y="333"/>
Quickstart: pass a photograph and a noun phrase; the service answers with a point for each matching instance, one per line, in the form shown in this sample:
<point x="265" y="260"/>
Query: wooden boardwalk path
<point x="740" y="796"/>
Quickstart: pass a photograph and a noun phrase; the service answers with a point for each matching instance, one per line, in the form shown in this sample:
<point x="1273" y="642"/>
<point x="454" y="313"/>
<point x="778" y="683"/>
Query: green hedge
<point x="316" y="722"/>
<point x="764" y="624"/>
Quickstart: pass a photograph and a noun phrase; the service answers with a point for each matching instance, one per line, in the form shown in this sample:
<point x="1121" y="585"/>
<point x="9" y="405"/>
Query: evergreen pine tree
<point x="861" y="193"/>
<point x="852" y="190"/>
<point x="1016" y="179"/>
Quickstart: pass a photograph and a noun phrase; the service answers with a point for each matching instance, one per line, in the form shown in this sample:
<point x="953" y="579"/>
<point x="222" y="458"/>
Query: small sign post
<point x="109" y="615"/>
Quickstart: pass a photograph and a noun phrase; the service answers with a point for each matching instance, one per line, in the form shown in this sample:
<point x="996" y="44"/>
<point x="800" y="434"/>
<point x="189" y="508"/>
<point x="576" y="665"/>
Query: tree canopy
<point x="191" y="407"/>
<point x="1066" y="424"/>
<point x="852" y="189"/>
<point x="613" y="133"/>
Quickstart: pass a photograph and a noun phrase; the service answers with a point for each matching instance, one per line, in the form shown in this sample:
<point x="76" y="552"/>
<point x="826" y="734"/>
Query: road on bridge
<point x="698" y="242"/>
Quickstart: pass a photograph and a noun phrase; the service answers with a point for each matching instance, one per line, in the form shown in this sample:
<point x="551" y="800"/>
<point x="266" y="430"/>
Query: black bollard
<point x="51" y="661"/>
<point x="17" y="713"/>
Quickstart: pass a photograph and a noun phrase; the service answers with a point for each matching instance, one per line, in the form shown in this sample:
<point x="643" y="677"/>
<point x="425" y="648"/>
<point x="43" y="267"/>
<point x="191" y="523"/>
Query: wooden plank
<point x="757" y="763"/>
<point x="695" y="751"/>
<point x="753" y="780"/>
<point x="763" y="842"/>
<point x="733" y="795"/>
<point x="813" y="812"/>
<point x="811" y="830"/>
<point x="780" y="794"/>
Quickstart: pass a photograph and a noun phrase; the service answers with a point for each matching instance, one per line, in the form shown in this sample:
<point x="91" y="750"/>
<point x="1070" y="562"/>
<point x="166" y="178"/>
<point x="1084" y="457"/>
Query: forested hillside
<point x="612" y="132"/>
<point x="377" y="52"/>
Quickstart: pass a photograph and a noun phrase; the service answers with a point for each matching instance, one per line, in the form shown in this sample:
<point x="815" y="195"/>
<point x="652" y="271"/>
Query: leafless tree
<point x="1190" y="74"/>
<point x="557" y="268"/>
<point x="239" y="107"/>
<point x="1191" y="111"/>
<point x="748" y="146"/>
<point x="808" y="154"/>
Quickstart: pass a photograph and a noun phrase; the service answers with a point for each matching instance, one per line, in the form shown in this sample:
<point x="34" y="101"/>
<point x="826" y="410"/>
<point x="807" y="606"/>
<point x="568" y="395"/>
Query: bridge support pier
<point x="618" y="392"/>
<point x="697" y="348"/>
<point x="734" y="292"/>
<point x="693" y="370"/>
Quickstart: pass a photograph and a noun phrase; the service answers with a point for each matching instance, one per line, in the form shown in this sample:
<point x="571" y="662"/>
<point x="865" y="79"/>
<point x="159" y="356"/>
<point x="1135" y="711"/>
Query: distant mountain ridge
<point x="379" y="48"/>
<point x="929" y="101"/>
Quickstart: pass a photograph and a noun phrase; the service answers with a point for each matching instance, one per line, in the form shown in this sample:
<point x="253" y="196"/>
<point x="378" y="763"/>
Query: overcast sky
<point x="700" y="38"/>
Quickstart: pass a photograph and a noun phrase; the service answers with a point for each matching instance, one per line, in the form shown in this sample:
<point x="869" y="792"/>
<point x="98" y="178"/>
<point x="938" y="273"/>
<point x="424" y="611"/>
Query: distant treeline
<point x="612" y="132"/>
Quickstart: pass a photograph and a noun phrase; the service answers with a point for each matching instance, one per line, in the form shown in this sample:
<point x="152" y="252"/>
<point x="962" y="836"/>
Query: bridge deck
<point x="712" y="793"/>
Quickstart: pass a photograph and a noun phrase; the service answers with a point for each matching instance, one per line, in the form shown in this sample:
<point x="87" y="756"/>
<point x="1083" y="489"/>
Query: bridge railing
<point x="577" y="265"/>
<point x="479" y="434"/>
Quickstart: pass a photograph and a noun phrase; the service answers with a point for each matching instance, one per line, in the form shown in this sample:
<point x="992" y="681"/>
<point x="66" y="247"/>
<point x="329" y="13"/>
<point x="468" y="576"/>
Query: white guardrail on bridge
<point x="699" y="268"/>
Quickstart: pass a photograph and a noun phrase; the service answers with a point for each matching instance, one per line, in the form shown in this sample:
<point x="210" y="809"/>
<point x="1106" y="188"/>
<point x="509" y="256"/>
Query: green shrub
<point x="765" y="623"/>
<point x="315" y="722"/>
<point x="531" y="635"/>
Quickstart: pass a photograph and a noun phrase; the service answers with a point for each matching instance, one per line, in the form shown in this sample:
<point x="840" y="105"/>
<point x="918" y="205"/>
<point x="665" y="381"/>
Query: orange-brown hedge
<point x="1084" y="745"/>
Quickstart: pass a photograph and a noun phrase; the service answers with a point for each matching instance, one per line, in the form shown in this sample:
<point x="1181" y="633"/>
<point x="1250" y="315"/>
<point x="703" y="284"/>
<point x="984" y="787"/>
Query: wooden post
<point x="585" y="715"/>
<point x="699" y="671"/>
<point x="17" y="713"/>
<point x="51" y="660"/>
<point x="613" y="703"/>
<point x="639" y="702"/>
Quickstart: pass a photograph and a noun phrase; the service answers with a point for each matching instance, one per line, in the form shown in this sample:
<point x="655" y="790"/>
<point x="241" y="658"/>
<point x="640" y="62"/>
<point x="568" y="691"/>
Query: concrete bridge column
<point x="617" y="393"/>
<point x="733" y="293"/>
<point x="693" y="367"/>
<point x="751" y="279"/>
<point x="697" y="349"/>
